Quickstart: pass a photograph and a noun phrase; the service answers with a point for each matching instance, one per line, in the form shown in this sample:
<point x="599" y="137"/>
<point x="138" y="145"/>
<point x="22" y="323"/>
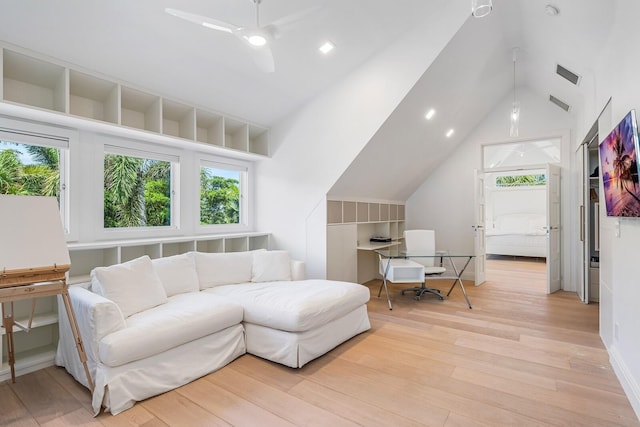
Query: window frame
<point x="65" y="140"/>
<point x="150" y="152"/>
<point x="246" y="175"/>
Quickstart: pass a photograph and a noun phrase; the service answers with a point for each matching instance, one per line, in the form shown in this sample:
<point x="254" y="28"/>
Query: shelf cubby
<point x="178" y="120"/>
<point x="236" y="244"/>
<point x="31" y="81"/>
<point x="384" y="212"/>
<point x="177" y="248"/>
<point x="209" y="128"/>
<point x="362" y="212"/>
<point x="236" y="135"/>
<point x="334" y="212"/>
<point x="153" y="250"/>
<point x="374" y="212"/>
<point x="258" y="140"/>
<point x="140" y="110"/>
<point x="393" y="212"/>
<point x="93" y="98"/>
<point x="83" y="261"/>
<point x="259" y="242"/>
<point x="349" y="213"/>
<point x="400" y="212"/>
<point x="211" y="246"/>
<point x="36" y="338"/>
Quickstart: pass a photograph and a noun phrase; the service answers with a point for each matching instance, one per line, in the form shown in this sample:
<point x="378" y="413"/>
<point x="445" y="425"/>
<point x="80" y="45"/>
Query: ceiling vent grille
<point x="568" y="75"/>
<point x="559" y="103"/>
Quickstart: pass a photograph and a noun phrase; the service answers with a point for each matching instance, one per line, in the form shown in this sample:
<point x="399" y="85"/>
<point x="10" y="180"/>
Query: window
<point x="531" y="180"/>
<point x="222" y="194"/>
<point x="34" y="164"/>
<point x="138" y="189"/>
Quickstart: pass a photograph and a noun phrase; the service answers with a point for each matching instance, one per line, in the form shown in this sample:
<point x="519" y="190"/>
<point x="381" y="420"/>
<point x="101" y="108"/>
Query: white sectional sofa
<point x="149" y="326"/>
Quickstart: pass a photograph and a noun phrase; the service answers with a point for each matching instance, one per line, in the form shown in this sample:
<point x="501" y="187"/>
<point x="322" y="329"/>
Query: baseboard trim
<point x="629" y="384"/>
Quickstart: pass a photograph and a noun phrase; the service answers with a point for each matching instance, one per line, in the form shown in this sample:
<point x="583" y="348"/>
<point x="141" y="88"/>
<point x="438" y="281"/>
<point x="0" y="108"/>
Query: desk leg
<point x="7" y="323"/>
<point x="384" y="284"/>
<point x="459" y="280"/>
<point x="75" y="330"/>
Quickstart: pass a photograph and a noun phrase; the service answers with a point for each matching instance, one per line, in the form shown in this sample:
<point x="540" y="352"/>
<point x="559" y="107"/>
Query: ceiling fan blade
<point x="205" y="21"/>
<point x="263" y="58"/>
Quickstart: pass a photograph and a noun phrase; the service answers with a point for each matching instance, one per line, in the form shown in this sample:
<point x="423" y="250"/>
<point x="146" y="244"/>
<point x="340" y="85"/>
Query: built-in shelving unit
<point x="87" y="256"/>
<point x="350" y="226"/>
<point x="36" y="348"/>
<point x="50" y="85"/>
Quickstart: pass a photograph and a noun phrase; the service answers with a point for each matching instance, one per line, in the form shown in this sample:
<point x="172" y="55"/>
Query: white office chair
<point x="423" y="242"/>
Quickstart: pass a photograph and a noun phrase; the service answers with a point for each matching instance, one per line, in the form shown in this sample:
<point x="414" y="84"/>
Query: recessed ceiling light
<point x="449" y="133"/>
<point x="430" y="114"/>
<point x="326" y="47"/>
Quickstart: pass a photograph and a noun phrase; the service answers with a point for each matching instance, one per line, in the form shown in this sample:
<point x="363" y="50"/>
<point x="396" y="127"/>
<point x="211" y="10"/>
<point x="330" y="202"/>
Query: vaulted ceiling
<point x="137" y="42"/>
<point x="140" y="44"/>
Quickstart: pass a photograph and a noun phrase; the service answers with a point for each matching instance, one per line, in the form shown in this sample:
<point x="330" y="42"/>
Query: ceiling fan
<point x="257" y="38"/>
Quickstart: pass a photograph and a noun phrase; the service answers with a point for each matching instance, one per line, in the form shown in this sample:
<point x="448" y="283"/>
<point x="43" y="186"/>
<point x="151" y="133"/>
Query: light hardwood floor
<point x="519" y="357"/>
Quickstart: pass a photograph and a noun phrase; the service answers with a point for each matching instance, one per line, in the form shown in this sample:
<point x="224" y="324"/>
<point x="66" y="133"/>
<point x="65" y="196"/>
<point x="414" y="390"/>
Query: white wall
<point x="313" y="147"/>
<point x="618" y="77"/>
<point x="444" y="202"/>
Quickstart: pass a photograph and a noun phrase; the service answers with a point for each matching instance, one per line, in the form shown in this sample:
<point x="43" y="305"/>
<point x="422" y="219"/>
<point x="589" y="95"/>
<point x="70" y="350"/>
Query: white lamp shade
<point x="480" y="8"/>
<point x="514" y="119"/>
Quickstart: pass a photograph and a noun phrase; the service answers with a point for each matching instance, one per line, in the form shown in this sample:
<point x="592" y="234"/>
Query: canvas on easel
<point x="34" y="260"/>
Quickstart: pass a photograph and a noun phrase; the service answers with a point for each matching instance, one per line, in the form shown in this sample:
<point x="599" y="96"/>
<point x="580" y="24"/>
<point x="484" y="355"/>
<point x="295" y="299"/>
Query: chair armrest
<point x="97" y="317"/>
<point x="297" y="270"/>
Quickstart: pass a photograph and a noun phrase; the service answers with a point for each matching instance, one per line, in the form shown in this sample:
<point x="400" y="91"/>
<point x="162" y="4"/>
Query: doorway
<point x="516" y="219"/>
<point x="520" y="211"/>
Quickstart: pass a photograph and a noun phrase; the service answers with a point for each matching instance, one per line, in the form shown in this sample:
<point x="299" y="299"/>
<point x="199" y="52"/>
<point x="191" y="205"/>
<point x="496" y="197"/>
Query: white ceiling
<point x="138" y="43"/>
<point x="472" y="75"/>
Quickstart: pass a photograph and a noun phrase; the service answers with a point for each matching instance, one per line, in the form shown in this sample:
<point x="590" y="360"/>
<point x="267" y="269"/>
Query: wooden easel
<point x="29" y="283"/>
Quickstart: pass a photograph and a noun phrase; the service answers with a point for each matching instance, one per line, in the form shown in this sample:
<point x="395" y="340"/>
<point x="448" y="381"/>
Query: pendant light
<point x="480" y="8"/>
<point x="514" y="115"/>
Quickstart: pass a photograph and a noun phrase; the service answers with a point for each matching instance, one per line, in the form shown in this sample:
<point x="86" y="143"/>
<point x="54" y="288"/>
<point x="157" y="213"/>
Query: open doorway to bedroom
<point x="518" y="220"/>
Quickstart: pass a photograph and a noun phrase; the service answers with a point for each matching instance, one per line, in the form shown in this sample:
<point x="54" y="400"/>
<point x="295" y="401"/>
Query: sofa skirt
<point x="117" y="389"/>
<point x="295" y="349"/>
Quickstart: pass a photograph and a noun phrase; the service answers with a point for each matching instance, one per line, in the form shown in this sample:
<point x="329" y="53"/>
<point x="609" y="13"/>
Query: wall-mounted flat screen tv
<point x="619" y="168"/>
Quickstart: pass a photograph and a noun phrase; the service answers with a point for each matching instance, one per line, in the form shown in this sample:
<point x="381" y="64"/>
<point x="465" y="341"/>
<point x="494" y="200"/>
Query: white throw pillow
<point x="215" y="269"/>
<point x="134" y="285"/>
<point x="177" y="274"/>
<point x="271" y="266"/>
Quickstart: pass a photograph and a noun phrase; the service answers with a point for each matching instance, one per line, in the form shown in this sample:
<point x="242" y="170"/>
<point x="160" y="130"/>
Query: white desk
<point x="399" y="254"/>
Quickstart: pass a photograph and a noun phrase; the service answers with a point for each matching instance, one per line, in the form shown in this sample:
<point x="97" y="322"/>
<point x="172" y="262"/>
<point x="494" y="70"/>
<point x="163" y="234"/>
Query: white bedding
<point x="521" y="234"/>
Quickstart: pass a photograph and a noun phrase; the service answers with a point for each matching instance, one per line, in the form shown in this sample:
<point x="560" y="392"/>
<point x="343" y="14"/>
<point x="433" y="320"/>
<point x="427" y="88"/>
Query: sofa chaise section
<point x="294" y="322"/>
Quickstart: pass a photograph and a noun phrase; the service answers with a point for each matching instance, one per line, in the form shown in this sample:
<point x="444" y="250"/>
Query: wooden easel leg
<point x="75" y="330"/>
<point x="7" y="323"/>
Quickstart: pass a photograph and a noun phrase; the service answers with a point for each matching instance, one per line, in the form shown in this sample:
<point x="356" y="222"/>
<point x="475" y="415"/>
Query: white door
<point x="553" y="228"/>
<point x="478" y="229"/>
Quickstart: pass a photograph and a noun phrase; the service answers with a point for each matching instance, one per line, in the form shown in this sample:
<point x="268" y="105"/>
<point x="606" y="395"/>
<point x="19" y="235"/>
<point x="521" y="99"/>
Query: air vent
<point x="559" y="103"/>
<point x="569" y="75"/>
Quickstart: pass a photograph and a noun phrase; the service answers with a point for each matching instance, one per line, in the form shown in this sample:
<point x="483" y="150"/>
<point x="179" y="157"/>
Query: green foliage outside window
<point x="219" y="196"/>
<point x="29" y="170"/>
<point x="137" y="192"/>
<point x="521" y="180"/>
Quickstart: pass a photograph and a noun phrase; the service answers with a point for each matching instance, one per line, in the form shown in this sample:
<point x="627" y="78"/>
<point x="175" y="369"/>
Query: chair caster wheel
<point x="417" y="298"/>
